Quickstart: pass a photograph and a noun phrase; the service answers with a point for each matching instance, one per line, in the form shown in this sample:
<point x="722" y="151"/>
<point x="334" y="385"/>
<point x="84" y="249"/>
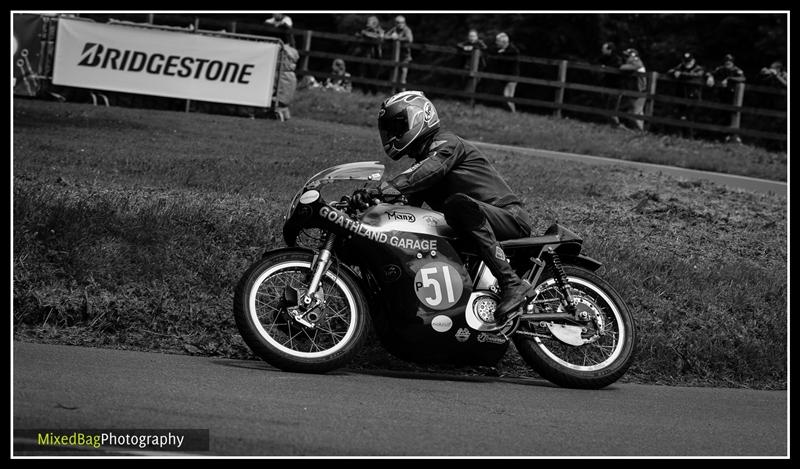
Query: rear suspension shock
<point x="561" y="281"/>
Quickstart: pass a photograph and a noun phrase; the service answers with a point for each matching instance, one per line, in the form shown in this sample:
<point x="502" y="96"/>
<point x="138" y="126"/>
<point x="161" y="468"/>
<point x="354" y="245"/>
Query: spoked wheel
<point x="325" y="338"/>
<point x="588" y="354"/>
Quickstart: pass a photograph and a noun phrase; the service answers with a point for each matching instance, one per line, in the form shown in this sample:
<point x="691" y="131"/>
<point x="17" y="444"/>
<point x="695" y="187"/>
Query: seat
<point x="555" y="234"/>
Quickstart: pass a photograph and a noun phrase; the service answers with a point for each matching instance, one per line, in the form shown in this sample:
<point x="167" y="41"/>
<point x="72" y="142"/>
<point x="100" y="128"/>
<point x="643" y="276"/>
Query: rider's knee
<point x="462" y="212"/>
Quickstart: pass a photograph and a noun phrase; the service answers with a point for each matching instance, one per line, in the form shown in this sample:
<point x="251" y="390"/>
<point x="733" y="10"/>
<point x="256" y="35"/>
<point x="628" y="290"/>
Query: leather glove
<point x="388" y="190"/>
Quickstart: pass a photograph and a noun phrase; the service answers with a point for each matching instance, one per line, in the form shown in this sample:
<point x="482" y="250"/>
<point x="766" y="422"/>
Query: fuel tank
<point x="407" y="219"/>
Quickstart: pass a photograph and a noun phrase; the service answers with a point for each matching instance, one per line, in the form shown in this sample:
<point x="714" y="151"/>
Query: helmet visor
<point x="393" y="127"/>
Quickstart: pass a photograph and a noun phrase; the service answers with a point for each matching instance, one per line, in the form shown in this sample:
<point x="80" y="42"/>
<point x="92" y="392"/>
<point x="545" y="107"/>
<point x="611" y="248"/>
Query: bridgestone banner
<point x="164" y="63"/>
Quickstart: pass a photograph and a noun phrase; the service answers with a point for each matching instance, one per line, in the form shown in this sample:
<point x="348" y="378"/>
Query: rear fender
<point x="580" y="260"/>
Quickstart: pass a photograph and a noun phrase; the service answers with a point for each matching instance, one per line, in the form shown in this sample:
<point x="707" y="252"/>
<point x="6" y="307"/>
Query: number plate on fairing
<point x="438" y="285"/>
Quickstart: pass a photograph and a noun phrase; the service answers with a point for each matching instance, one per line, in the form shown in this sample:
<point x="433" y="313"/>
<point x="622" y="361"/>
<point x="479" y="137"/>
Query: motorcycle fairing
<point x="409" y="327"/>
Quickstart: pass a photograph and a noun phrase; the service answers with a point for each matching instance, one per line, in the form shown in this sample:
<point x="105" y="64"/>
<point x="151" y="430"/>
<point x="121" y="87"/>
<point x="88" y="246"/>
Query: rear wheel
<point x="263" y="319"/>
<point x="601" y="349"/>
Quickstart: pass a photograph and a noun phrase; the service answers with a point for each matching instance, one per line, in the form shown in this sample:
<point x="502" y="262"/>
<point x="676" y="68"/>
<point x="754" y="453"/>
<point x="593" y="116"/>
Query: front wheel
<point x="260" y="311"/>
<point x="601" y="348"/>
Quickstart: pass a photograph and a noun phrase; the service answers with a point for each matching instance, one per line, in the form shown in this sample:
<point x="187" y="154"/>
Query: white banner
<point x="164" y="63"/>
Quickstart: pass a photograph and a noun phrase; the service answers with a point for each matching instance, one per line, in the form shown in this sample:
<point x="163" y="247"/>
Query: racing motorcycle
<point x="402" y="269"/>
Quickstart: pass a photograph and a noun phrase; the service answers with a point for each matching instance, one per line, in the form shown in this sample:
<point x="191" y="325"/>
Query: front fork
<point x="308" y="302"/>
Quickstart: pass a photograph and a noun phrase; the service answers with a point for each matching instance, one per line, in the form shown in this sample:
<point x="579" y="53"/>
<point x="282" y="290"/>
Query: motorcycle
<point x="430" y="298"/>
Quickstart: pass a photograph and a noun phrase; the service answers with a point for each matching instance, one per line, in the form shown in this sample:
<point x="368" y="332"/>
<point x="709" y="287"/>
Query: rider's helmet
<point x="404" y="119"/>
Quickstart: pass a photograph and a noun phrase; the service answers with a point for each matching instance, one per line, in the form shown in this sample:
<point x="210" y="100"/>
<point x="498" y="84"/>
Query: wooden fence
<point x="559" y="83"/>
<point x="318" y="49"/>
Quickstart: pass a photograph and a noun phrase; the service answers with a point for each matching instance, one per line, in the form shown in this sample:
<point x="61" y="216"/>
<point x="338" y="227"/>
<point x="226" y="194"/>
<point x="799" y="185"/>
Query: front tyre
<point x="604" y="358"/>
<point x="272" y="334"/>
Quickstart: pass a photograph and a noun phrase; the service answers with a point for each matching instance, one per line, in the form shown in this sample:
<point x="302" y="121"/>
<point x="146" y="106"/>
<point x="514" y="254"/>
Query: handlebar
<point x="362" y="199"/>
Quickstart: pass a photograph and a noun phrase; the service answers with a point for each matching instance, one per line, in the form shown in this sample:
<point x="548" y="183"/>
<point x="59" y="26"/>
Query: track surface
<point x="253" y="409"/>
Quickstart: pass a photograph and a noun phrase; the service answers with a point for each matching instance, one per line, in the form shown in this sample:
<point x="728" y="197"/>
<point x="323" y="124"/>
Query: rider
<point x="453" y="177"/>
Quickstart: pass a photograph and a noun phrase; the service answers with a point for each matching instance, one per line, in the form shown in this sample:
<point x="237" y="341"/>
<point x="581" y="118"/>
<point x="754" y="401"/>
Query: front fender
<point x="288" y="249"/>
<point x="336" y="264"/>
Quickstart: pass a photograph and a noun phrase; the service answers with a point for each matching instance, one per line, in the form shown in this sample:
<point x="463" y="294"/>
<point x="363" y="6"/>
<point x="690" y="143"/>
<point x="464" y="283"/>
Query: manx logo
<point x="402" y="216"/>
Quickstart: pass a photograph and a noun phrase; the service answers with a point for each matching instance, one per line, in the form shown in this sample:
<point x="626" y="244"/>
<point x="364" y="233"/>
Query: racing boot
<point x="515" y="290"/>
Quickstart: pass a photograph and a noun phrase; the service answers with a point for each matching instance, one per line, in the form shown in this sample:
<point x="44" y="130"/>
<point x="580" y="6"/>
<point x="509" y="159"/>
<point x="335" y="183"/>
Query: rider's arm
<point x="428" y="171"/>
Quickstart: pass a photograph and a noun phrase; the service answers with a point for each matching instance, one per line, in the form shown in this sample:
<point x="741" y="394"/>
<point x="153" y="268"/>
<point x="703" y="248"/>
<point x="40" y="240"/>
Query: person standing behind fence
<point x="635" y="81"/>
<point x="284" y="23"/>
<point x="504" y="60"/>
<point x="774" y="76"/>
<point x="690" y="85"/>
<point x="724" y="79"/>
<point x="609" y="58"/>
<point x="726" y="75"/>
<point x="371" y="49"/>
<point x="287" y="82"/>
<point x="401" y="32"/>
<point x="465" y="50"/>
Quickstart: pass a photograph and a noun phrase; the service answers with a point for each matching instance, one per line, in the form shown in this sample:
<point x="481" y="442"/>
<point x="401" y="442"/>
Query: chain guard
<point x="570" y="335"/>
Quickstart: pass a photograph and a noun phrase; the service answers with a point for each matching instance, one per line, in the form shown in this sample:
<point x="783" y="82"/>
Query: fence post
<point x="150" y="18"/>
<point x="196" y="27"/>
<point x="652" y="83"/>
<point x="233" y="26"/>
<point x="473" y="69"/>
<point x="736" y="117"/>
<point x="396" y="60"/>
<point x="306" y="50"/>
<point x="562" y="79"/>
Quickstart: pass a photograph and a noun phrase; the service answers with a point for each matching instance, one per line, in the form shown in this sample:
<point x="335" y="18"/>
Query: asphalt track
<point x="251" y="408"/>
<point x="730" y="180"/>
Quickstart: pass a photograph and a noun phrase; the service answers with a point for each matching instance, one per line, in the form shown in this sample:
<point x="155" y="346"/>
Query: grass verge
<point x="495" y="125"/>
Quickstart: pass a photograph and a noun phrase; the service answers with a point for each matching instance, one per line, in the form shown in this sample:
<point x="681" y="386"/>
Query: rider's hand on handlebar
<point x="364" y="198"/>
<point x="390" y="194"/>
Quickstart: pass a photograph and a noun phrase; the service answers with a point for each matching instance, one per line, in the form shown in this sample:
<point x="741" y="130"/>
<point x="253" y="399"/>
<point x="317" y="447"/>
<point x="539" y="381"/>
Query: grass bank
<point x="495" y="125"/>
<point x="132" y="227"/>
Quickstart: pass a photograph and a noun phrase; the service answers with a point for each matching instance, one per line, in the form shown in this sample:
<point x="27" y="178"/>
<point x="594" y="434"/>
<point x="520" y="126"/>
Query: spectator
<point x="371" y="49"/>
<point x="279" y="20"/>
<point x="635" y="81"/>
<point x="308" y="81"/>
<point x="725" y="78"/>
<point x="341" y="80"/>
<point x="287" y="82"/>
<point x="465" y="50"/>
<point x="609" y="58"/>
<point x="775" y="75"/>
<point x="284" y="23"/>
<point x="726" y="75"/>
<point x="504" y="60"/>
<point x="401" y="32"/>
<point x="690" y="85"/>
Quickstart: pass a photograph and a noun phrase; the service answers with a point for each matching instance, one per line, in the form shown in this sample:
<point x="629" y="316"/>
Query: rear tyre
<point x="592" y="365"/>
